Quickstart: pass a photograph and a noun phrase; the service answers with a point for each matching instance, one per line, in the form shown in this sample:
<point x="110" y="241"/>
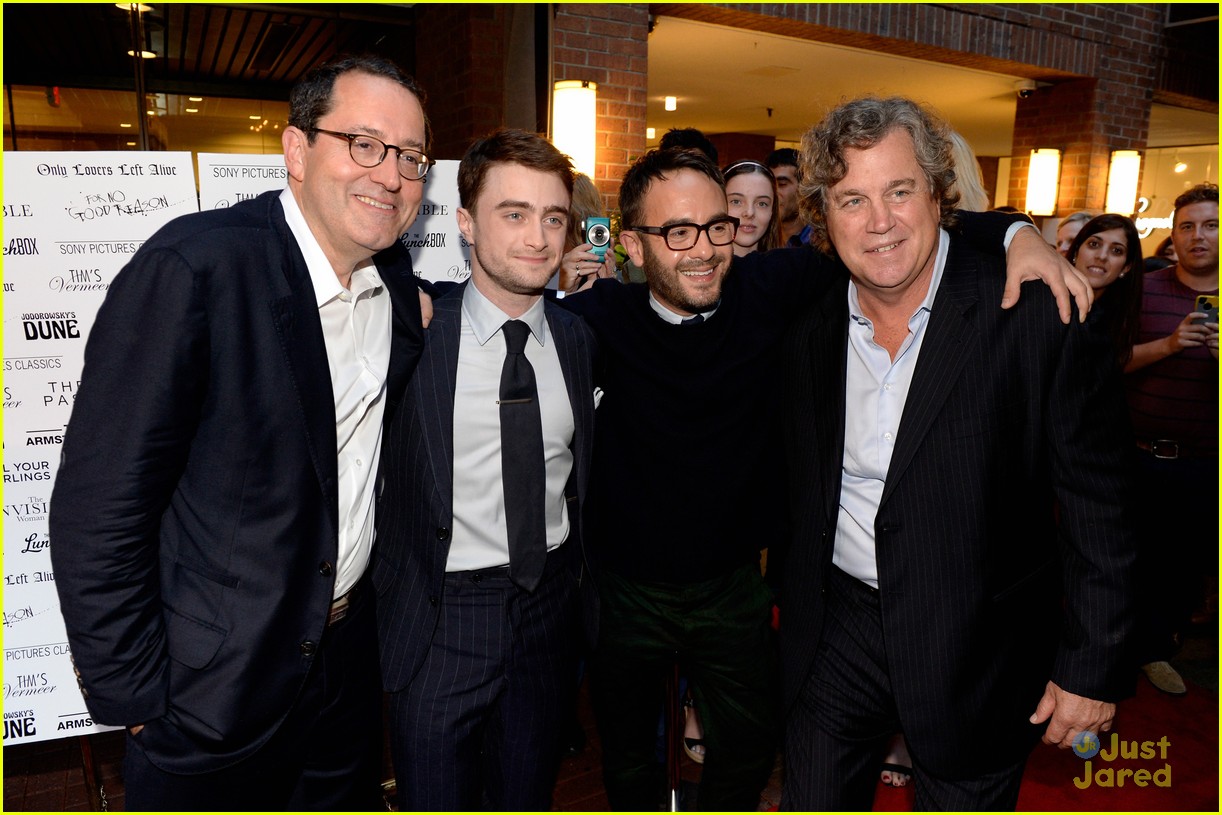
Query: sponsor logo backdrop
<point x="71" y="222"/>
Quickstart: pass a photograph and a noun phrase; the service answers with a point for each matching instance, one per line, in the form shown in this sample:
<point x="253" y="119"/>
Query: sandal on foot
<point x="896" y="769"/>
<point x="689" y="747"/>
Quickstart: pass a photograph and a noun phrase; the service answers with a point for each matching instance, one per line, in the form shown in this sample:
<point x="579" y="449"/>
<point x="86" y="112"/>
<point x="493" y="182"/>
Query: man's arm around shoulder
<point x="1091" y="468"/>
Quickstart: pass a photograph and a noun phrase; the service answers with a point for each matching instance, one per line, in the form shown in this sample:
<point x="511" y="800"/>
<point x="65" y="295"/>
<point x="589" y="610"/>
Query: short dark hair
<point x="311" y="97"/>
<point x="654" y="166"/>
<point x="509" y="146"/>
<point x="1195" y="195"/>
<point x="1123" y="313"/>
<point x="861" y="124"/>
<point x="688" y="138"/>
<point x="783" y="157"/>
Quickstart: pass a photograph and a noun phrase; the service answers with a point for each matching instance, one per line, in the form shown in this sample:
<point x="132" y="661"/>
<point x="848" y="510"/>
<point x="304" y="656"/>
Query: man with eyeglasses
<point x="686" y="487"/>
<point x="214" y="511"/>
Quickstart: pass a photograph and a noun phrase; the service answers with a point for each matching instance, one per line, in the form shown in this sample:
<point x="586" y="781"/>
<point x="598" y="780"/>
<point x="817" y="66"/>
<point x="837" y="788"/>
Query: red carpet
<point x="1190" y="726"/>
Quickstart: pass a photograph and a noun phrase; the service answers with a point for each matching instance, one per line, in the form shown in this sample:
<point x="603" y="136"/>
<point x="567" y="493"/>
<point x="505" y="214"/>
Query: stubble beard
<point x="506" y="277"/>
<point x="667" y="283"/>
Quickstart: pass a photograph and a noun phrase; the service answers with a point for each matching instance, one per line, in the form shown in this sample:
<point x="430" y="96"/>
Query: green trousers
<point x="720" y="631"/>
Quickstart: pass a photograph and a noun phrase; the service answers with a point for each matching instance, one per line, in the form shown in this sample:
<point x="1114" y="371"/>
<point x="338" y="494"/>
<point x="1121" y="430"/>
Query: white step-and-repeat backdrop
<point x="71" y="221"/>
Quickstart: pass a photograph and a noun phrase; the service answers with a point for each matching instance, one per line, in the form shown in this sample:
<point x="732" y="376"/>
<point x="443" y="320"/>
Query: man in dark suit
<point x="933" y="440"/>
<point x="479" y="566"/>
<point x="213" y="515"/>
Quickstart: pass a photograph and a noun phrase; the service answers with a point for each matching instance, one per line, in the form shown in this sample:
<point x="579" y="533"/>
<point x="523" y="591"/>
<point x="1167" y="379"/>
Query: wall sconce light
<point x="1042" y="178"/>
<point x="672" y="103"/>
<point x="1122" y="181"/>
<point x="650" y="134"/>
<point x="575" y="120"/>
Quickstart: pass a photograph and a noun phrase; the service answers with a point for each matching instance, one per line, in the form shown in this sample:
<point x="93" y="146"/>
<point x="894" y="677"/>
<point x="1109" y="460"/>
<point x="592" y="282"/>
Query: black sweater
<point x="687" y="467"/>
<point x="687" y="480"/>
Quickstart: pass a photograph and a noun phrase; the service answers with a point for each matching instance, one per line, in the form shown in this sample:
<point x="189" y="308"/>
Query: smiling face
<point x="516" y="228"/>
<point x="1103" y="258"/>
<point x="1195" y="237"/>
<point x="749" y="199"/>
<point x="883" y="220"/>
<point x="686" y="281"/>
<point x="353" y="211"/>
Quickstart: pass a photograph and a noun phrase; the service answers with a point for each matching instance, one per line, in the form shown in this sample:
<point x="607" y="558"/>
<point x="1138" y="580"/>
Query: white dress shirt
<point x="356" y="329"/>
<point x="876" y="390"/>
<point x="677" y="319"/>
<point x="480" y="539"/>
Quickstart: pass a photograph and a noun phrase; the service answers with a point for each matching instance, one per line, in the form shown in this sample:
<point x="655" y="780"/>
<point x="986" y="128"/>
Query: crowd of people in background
<point x="582" y="482"/>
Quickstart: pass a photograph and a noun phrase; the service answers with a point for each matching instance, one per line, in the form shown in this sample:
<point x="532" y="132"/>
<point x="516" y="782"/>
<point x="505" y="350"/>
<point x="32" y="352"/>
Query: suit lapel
<point x="407" y="333"/>
<point x="828" y="346"/>
<point x="578" y="382"/>
<point x="434" y="384"/>
<point x="944" y="351"/>
<point x="299" y="328"/>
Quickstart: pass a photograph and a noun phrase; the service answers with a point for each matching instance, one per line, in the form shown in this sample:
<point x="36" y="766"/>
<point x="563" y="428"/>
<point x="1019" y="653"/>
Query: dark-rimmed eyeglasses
<point x="370" y="152"/>
<point x="682" y="236"/>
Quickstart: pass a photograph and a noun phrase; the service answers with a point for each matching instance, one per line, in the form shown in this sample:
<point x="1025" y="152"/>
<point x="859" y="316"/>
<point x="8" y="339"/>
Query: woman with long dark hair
<point x="1108" y="252"/>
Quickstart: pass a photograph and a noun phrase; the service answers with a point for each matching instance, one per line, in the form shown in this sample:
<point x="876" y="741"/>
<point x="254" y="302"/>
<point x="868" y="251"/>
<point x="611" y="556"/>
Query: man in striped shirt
<point x="1173" y="399"/>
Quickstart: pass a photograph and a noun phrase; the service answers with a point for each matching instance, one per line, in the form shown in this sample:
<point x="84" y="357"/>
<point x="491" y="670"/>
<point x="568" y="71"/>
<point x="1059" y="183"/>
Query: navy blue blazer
<point x="986" y="594"/>
<point x="194" y="518"/>
<point x="415" y="506"/>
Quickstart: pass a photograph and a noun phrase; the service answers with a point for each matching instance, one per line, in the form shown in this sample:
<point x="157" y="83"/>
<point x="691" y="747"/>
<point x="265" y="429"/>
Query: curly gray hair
<point x="861" y="124"/>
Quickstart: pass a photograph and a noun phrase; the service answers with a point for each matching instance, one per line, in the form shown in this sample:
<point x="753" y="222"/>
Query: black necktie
<point x="522" y="470"/>
<point x="694" y="320"/>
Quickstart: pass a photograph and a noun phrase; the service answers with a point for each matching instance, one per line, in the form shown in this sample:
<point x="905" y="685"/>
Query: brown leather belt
<point x="341" y="605"/>
<point x="1168" y="449"/>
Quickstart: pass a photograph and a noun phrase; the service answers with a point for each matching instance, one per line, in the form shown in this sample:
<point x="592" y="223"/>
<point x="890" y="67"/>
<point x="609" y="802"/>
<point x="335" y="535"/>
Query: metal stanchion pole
<point x="674" y="734"/>
<point x="97" y="795"/>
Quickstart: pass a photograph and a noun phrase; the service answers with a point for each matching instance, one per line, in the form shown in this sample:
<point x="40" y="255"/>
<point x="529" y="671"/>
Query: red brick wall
<point x="739" y="146"/>
<point x="607" y="43"/>
<point x="461" y="52"/>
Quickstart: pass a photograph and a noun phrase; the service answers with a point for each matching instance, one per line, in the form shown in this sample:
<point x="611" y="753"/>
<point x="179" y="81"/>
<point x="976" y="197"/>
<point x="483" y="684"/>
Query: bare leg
<point x="896" y="761"/>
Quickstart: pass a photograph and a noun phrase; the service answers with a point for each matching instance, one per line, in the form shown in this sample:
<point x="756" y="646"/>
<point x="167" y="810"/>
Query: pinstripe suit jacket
<point x="1011" y="417"/>
<point x="415" y="507"/>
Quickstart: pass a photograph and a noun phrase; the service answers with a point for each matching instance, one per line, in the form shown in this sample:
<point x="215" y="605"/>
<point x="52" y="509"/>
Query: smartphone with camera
<point x="597" y="232"/>
<point x="1207" y="304"/>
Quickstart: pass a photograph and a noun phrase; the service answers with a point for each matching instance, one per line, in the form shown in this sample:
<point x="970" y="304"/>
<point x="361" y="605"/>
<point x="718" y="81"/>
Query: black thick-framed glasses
<point x="682" y="236"/>
<point x="370" y="152"/>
